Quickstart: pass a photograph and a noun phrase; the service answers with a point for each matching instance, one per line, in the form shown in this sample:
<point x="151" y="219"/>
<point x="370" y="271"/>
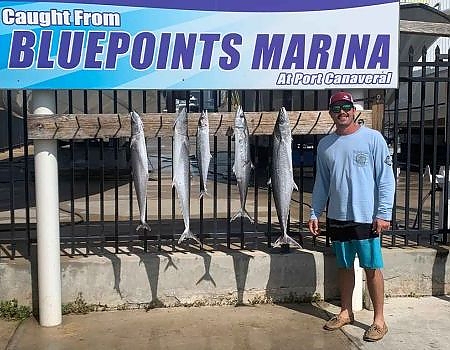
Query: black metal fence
<point x="417" y="121"/>
<point x="98" y="208"/>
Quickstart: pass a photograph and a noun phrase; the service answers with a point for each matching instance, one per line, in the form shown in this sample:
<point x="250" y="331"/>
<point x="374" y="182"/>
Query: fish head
<point x="239" y="120"/>
<point x="282" y="126"/>
<point x="180" y="125"/>
<point x="136" y="123"/>
<point x="203" y="120"/>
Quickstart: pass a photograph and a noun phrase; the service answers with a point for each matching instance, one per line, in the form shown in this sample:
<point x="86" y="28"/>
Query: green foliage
<point x="316" y="297"/>
<point x="12" y="311"/>
<point x="79" y="306"/>
<point x="294" y="298"/>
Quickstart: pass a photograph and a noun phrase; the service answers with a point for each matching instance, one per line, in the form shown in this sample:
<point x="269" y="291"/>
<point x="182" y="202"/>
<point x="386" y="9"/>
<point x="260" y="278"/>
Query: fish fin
<point x="187" y="233"/>
<point x="285" y="239"/>
<point x="247" y="215"/>
<point x="203" y="193"/>
<point x="242" y="213"/>
<point x="249" y="162"/>
<point x="149" y="162"/>
<point x="186" y="147"/>
<point x="143" y="226"/>
<point x="294" y="185"/>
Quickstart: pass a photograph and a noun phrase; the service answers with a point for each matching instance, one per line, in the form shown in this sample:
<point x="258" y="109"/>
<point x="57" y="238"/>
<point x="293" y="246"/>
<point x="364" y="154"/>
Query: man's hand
<point x="313" y="225"/>
<point x="380" y="225"/>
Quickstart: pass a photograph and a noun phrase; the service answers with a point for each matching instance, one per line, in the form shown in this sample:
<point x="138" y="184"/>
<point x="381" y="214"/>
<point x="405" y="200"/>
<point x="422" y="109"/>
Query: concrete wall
<point x="221" y="278"/>
<point x="417" y="271"/>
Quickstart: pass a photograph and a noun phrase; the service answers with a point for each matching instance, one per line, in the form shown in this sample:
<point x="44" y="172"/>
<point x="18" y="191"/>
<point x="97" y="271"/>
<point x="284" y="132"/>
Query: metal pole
<point x="47" y="218"/>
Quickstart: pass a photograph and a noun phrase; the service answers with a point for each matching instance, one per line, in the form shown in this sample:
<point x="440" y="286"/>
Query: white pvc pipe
<point x="357" y="298"/>
<point x="47" y="218"/>
<point x="358" y="97"/>
<point x="442" y="202"/>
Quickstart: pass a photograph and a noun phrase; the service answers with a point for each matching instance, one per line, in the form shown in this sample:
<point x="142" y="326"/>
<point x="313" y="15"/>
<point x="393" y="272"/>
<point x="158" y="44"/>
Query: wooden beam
<point x="425" y="28"/>
<point x="377" y="106"/>
<point x="101" y="126"/>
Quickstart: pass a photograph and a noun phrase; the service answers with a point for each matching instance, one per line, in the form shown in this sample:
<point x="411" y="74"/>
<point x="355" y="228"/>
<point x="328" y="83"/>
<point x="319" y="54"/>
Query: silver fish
<point x="242" y="162"/>
<point x="203" y="151"/>
<point x="282" y="175"/>
<point x="181" y="173"/>
<point x="139" y="166"/>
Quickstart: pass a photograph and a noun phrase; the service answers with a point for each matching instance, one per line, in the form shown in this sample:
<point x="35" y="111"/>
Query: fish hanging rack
<point x="105" y="126"/>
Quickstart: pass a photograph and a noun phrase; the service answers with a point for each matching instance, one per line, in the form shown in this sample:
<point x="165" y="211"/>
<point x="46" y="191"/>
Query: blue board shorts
<point x="350" y="238"/>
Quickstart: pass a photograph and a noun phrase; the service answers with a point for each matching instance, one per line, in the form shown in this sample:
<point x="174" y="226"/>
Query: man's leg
<point x="375" y="283"/>
<point x="345" y="257"/>
<point x="346" y="286"/>
<point x="342" y="234"/>
<point x="346" y="280"/>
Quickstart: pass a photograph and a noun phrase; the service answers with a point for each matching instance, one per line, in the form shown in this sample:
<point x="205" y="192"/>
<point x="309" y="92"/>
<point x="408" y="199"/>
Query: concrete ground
<point x="414" y="323"/>
<point x="420" y="323"/>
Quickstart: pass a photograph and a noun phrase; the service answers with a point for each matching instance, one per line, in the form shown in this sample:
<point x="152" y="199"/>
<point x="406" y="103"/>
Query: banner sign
<point x="199" y="44"/>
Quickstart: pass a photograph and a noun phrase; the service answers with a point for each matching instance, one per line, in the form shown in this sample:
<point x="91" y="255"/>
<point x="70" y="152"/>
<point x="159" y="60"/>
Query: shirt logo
<point x="388" y="161"/>
<point x="361" y="158"/>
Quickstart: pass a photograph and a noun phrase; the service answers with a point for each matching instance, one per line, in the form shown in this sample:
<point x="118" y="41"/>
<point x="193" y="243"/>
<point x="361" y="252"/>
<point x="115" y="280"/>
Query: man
<point x="354" y="175"/>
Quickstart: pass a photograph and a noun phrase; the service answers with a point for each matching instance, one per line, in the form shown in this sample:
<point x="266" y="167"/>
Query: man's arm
<point x="320" y="193"/>
<point x="384" y="179"/>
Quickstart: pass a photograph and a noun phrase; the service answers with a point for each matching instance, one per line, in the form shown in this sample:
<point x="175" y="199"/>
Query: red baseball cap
<point x="341" y="96"/>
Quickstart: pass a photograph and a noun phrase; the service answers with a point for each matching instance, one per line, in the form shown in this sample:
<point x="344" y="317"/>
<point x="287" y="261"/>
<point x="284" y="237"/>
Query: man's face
<point x="342" y="113"/>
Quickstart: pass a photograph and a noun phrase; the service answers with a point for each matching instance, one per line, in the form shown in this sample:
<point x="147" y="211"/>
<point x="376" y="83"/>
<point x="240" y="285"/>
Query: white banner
<point x="199" y="44"/>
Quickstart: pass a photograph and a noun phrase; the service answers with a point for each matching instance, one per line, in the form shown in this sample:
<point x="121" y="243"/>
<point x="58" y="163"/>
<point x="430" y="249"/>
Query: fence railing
<point x="98" y="208"/>
<point x="84" y="224"/>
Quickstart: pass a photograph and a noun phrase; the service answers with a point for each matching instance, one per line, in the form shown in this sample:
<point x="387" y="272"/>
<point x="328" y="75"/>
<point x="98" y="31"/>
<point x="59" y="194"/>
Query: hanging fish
<point x="282" y="175"/>
<point x="181" y="170"/>
<point x="242" y="161"/>
<point x="203" y="151"/>
<point x="139" y="166"/>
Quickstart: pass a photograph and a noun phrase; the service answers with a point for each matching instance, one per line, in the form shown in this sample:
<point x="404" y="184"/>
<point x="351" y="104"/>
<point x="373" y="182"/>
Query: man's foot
<point x="375" y="332"/>
<point x="338" y="321"/>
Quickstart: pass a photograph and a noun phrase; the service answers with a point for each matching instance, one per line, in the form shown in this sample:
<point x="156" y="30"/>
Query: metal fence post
<point x="47" y="218"/>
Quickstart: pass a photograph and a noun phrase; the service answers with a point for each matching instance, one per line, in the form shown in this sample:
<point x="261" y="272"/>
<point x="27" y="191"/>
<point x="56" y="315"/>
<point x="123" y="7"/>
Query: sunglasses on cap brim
<point x="346" y="107"/>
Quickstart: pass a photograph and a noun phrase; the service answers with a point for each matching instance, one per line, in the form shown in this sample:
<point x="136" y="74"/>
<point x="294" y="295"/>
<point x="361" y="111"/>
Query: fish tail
<point x="143" y="226"/>
<point x="203" y="193"/>
<point x="187" y="233"/>
<point x="247" y="215"/>
<point x="242" y="213"/>
<point x="285" y="239"/>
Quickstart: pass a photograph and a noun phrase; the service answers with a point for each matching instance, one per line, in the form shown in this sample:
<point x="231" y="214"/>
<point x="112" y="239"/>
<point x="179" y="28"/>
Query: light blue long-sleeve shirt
<point x="355" y="173"/>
